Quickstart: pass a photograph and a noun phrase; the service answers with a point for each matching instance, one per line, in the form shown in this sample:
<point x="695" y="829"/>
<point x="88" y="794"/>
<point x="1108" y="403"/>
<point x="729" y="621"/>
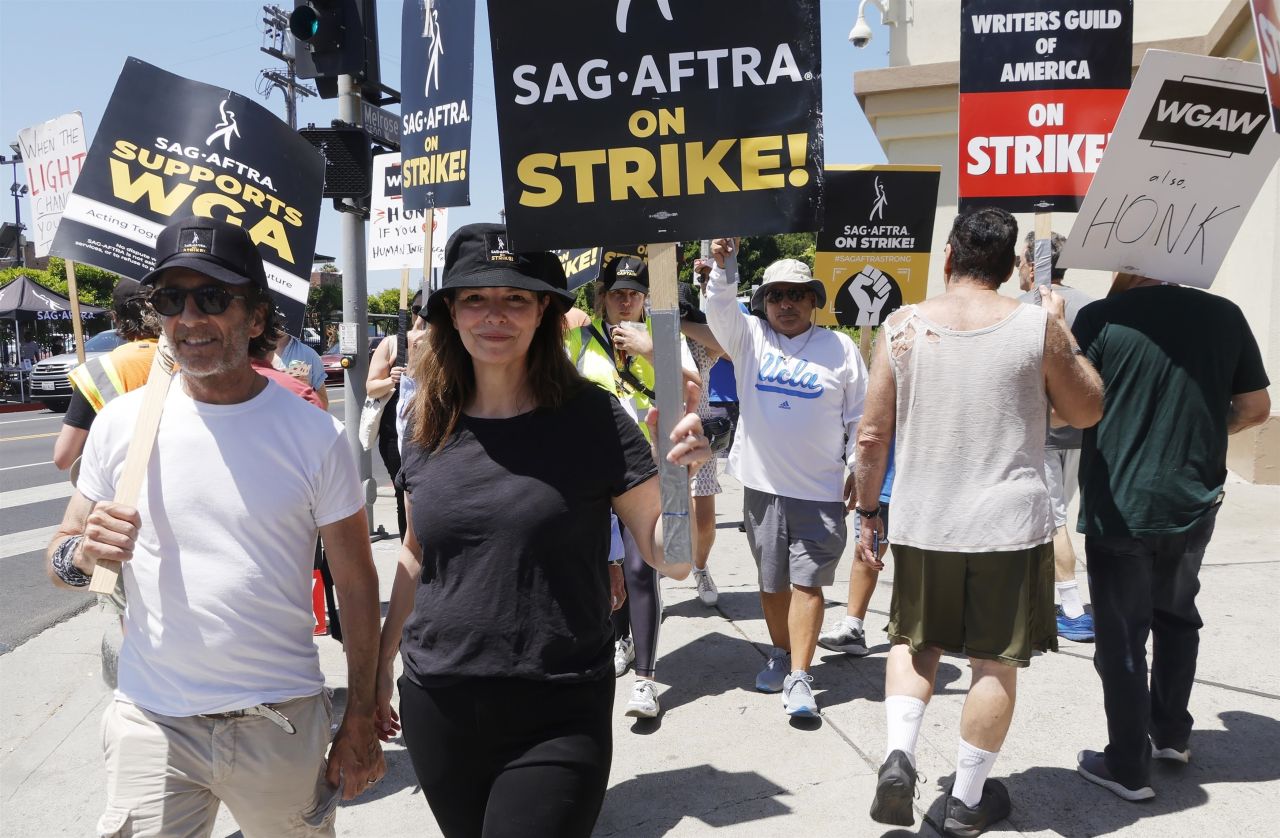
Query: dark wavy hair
<point x="446" y="376"/>
<point x="982" y="245"/>
<point x="134" y="319"/>
<point x="273" y="326"/>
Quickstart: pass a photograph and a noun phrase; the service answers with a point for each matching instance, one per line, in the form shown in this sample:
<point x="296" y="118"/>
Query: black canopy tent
<point x="25" y="300"/>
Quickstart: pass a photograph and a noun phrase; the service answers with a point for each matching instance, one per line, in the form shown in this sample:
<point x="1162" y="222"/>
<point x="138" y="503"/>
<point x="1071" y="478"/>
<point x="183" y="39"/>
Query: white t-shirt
<point x="801" y="399"/>
<point x="219" y="587"/>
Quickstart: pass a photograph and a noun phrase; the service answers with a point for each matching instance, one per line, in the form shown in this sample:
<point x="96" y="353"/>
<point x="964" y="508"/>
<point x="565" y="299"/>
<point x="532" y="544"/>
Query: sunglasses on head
<point x="210" y="299"/>
<point x="795" y="295"/>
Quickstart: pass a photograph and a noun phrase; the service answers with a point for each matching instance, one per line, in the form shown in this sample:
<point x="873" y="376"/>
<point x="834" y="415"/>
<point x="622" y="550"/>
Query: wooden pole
<point x="664" y="310"/>
<point x="864" y="344"/>
<point x="74" y="296"/>
<point x="402" y="332"/>
<point x="106" y="574"/>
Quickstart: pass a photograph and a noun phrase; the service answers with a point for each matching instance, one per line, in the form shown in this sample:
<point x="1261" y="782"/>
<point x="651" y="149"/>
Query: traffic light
<point x="348" y="161"/>
<point x="328" y="38"/>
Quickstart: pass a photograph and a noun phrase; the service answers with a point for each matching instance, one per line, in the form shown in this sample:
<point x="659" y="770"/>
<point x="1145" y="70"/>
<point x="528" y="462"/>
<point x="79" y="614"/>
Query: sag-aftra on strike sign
<point x="1041" y="85"/>
<point x="644" y="120"/>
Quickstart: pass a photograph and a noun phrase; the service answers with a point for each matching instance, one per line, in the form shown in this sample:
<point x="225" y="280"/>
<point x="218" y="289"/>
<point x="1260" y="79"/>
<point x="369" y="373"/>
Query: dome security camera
<point x="860" y="35"/>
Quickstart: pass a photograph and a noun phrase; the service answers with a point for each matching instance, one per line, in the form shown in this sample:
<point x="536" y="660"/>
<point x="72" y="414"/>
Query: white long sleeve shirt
<point x="800" y="399"/>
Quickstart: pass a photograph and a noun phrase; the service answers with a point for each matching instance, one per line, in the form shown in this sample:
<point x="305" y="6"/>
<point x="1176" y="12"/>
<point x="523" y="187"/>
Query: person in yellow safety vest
<point x="615" y="351"/>
<point x="99" y="380"/>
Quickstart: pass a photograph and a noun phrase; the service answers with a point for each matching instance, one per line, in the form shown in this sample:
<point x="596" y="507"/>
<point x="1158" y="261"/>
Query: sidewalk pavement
<point x="724" y="760"/>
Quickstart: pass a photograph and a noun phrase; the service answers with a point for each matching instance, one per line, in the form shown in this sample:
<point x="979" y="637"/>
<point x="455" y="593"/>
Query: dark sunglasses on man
<point x="795" y="295"/>
<point x="210" y="299"/>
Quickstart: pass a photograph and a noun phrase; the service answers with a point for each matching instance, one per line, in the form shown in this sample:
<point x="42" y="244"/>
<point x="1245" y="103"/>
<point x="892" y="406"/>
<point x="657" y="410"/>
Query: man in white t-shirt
<point x="220" y="694"/>
<point x="801" y="389"/>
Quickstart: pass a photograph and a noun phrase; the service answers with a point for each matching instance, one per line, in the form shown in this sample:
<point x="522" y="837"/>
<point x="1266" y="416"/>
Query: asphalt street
<point x="33" y="496"/>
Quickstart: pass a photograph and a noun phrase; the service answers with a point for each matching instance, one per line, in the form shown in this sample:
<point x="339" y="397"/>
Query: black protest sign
<point x="437" y="48"/>
<point x="1041" y="85"/>
<point x="630" y="120"/>
<point x="583" y="264"/>
<point x="169" y="147"/>
<point x="1266" y="23"/>
<point x="873" y="250"/>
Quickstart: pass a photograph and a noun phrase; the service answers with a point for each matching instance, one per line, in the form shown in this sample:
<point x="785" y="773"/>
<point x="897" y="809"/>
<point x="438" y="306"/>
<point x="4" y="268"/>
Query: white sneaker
<point x="841" y="637"/>
<point x="797" y="696"/>
<point x="707" y="590"/>
<point x="644" y="700"/>
<point x="624" y="653"/>
<point x="774" y="675"/>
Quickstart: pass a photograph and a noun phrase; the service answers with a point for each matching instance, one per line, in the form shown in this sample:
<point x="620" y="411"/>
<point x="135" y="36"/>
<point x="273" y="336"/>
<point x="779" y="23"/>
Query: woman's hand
<point x="396" y="372"/>
<point x="689" y="444"/>
<point x="617" y="587"/>
<point x="385" y="718"/>
<point x="633" y="341"/>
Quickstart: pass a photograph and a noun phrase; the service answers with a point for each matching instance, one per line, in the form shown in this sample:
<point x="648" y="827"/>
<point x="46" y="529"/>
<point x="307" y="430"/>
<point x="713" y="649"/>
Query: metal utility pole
<point x="276" y="20"/>
<point x="17" y="191"/>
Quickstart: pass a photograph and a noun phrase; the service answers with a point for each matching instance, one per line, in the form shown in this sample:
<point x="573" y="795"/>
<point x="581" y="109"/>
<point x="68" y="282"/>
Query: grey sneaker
<point x="644" y="700"/>
<point x="842" y="638"/>
<point x="963" y="822"/>
<point x="1092" y="765"/>
<point x="707" y="590"/>
<point x="771" y="678"/>
<point x="895" y="791"/>
<point x="797" y="696"/>
<point x="624" y="654"/>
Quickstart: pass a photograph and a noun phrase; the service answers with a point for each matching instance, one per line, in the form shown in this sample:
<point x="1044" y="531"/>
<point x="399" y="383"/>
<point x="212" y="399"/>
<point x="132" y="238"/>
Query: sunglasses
<point x="210" y="299"/>
<point x="795" y="295"/>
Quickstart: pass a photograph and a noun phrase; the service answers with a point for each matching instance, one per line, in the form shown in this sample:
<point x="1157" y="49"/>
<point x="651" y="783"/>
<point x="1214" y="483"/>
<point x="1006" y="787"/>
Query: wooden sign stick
<point x="72" y="295"/>
<point x="402" y="332"/>
<point x="106" y="574"/>
<point x="664" y="310"/>
<point x="864" y="344"/>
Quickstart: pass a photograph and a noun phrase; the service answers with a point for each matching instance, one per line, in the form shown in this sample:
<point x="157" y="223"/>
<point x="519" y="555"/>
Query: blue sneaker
<point x="1079" y="629"/>
<point x="770" y="679"/>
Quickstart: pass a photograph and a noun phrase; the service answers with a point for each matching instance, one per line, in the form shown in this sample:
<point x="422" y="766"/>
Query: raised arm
<point x="729" y="324"/>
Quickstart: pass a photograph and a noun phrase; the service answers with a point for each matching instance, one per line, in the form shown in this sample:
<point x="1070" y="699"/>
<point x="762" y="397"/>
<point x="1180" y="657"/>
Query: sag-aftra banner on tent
<point x="437" y="57"/>
<point x="1041" y="85"/>
<point x="1189" y="154"/>
<point x="873" y="250"/>
<point x="168" y="147"/>
<point x="652" y="121"/>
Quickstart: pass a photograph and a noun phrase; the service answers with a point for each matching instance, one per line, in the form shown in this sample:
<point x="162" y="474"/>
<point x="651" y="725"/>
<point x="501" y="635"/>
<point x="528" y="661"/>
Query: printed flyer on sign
<point x="657" y="122"/>
<point x="53" y="153"/>
<point x="1266" y="23"/>
<point x="1041" y="85"/>
<point x="169" y="147"/>
<point x="396" y="234"/>
<point x="1189" y="154"/>
<point x="873" y="251"/>
<point x="437" y="49"/>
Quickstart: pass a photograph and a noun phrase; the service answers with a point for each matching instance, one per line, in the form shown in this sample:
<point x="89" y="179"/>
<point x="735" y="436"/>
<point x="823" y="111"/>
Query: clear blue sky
<point x="58" y="56"/>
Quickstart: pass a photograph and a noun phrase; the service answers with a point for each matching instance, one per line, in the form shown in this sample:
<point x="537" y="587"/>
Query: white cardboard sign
<point x="1189" y="153"/>
<point x="53" y="152"/>
<point x="395" y="234"/>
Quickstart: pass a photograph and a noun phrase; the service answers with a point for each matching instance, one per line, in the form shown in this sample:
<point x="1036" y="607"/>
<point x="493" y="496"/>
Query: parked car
<point x="332" y="360"/>
<point x="50" y="384"/>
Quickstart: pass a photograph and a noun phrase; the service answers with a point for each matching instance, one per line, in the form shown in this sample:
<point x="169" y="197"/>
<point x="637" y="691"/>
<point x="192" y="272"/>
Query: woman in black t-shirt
<point x="501" y="601"/>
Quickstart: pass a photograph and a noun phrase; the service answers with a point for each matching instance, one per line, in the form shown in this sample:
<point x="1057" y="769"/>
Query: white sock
<point x="854" y="623"/>
<point x="904" y="715"/>
<point x="1069" y="596"/>
<point x="972" y="767"/>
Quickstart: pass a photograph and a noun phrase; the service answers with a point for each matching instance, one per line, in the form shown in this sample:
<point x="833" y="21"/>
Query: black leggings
<point x="500" y="757"/>
<point x="389" y="448"/>
<point x="641" y="613"/>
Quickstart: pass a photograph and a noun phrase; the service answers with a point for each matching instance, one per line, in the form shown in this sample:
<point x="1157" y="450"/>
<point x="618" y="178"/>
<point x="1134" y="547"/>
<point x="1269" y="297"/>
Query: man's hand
<point x="871" y="533"/>
<point x="617" y="587"/>
<point x="1053" y="303"/>
<point x="870" y="291"/>
<point x="110" y="533"/>
<point x="723" y="249"/>
<point x="355" y="758"/>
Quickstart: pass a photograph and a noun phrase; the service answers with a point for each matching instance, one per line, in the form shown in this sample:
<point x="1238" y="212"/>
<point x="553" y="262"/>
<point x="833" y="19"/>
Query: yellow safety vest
<point x="594" y="362"/>
<point x="122" y="369"/>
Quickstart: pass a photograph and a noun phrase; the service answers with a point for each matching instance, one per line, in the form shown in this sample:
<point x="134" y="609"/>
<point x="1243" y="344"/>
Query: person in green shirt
<point x="1181" y="371"/>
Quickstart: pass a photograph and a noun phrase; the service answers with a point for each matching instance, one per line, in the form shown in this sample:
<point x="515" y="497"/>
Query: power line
<point x="276" y="44"/>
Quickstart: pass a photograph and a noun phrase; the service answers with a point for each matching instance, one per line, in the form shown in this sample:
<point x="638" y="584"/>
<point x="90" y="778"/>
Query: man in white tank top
<point x="966" y="381"/>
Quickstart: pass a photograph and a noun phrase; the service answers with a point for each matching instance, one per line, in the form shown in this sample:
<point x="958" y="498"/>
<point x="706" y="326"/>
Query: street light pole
<point x="17" y="194"/>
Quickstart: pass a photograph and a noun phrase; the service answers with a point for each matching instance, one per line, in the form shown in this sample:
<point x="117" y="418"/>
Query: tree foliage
<point x="385" y="302"/>
<point x="323" y="301"/>
<point x="93" y="285"/>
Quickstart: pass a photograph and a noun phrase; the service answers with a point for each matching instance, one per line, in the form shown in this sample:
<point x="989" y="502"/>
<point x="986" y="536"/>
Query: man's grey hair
<point x="1058" y="242"/>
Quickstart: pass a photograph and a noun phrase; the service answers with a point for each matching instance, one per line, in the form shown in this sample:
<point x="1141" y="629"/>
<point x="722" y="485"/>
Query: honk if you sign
<point x="655" y="121"/>
<point x="1190" y="151"/>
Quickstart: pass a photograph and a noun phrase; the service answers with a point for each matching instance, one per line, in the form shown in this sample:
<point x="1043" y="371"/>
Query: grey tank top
<point x="971" y="409"/>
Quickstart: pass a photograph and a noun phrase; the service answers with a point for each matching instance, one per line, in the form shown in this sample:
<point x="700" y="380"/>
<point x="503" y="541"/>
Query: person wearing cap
<point x="220" y="694"/>
<point x="615" y="351"/>
<point x="99" y="380"/>
<point x="384" y="381"/>
<point x="960" y="388"/>
<point x="501" y="600"/>
<point x="801" y="389"/>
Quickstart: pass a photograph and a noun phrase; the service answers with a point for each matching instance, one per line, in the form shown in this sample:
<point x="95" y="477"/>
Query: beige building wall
<point x="912" y="107"/>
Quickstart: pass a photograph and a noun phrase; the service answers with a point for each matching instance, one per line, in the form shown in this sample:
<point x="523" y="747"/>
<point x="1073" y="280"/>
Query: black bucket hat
<point x="478" y="256"/>
<point x="214" y="248"/>
<point x="629" y="272"/>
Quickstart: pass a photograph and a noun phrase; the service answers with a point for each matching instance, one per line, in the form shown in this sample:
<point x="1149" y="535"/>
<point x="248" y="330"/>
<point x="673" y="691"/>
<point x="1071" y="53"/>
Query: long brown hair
<point x="446" y="376"/>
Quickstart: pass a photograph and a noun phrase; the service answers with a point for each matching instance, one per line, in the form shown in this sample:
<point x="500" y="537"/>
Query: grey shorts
<point x="1061" y="468"/>
<point x="794" y="542"/>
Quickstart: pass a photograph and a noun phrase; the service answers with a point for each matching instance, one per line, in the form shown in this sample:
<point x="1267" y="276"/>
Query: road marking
<point x="27" y="541"/>
<point x="37" y="419"/>
<point x="27" y="436"/>
<point x="28" y="465"/>
<point x="35" y="494"/>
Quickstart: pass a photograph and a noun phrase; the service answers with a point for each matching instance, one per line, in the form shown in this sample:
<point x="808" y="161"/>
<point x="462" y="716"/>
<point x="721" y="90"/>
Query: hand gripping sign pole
<point x="106" y="574"/>
<point x="664" y="312"/>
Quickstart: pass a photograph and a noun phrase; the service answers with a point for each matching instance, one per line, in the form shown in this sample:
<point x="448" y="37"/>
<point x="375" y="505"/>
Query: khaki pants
<point x="166" y="775"/>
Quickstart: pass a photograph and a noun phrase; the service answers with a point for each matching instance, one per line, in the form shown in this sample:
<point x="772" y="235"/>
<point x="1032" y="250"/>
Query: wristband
<point x="63" y="563"/>
<point x="867" y="513"/>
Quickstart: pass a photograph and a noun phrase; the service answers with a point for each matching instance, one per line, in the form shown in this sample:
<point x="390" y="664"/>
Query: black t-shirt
<point x="1170" y="359"/>
<point x="513" y="519"/>
<point x="80" y="414"/>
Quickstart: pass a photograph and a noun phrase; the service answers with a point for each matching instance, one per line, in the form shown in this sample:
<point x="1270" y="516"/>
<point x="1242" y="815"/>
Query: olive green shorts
<point x="997" y="606"/>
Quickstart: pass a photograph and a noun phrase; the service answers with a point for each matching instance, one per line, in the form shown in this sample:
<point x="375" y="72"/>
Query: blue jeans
<point x="1141" y="586"/>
